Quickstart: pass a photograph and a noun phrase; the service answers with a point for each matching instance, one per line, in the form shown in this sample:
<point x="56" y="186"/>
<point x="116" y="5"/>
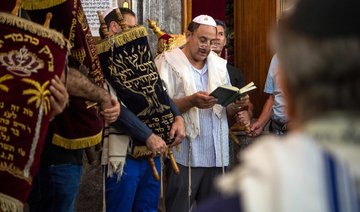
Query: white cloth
<point x="289" y="173"/>
<point x="115" y="146"/>
<point x="205" y="20"/>
<point x="174" y="69"/>
<point x="206" y="142"/>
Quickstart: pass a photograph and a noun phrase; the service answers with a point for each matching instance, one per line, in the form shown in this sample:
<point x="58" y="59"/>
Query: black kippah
<point x="326" y="18"/>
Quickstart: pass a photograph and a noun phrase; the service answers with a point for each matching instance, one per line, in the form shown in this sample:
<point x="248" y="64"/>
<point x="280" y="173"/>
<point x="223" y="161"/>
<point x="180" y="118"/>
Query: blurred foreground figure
<point x="316" y="167"/>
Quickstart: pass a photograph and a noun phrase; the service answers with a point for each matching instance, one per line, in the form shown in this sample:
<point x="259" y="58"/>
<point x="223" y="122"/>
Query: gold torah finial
<point x="153" y="25"/>
<point x="120" y="20"/>
<point x="48" y="19"/>
<point x="103" y="27"/>
<point x="16" y="9"/>
<point x="166" y="41"/>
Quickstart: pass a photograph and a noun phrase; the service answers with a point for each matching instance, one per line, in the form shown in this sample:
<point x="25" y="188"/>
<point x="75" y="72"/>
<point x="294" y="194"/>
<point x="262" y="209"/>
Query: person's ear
<point x="188" y="35"/>
<point x="113" y="27"/>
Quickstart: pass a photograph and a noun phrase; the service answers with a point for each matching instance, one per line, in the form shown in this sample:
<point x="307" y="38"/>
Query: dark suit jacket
<point x="236" y="77"/>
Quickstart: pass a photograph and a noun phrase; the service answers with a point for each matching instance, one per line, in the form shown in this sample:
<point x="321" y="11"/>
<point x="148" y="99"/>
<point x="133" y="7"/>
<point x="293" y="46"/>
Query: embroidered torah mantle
<point x="127" y="64"/>
<point x="30" y="56"/>
<point x="80" y="125"/>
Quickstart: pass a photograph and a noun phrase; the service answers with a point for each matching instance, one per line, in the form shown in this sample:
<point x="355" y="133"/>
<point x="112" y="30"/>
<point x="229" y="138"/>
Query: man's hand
<point x="243" y="118"/>
<point x="202" y="100"/>
<point x="156" y="144"/>
<point x="111" y="114"/>
<point x="256" y="129"/>
<point x="243" y="102"/>
<point x="177" y="131"/>
<point x="106" y="103"/>
<point x="59" y="97"/>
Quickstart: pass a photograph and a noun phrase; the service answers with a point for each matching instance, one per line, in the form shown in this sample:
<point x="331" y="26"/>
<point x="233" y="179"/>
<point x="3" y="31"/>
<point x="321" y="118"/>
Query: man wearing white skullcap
<point x="205" y="20"/>
<point x="190" y="74"/>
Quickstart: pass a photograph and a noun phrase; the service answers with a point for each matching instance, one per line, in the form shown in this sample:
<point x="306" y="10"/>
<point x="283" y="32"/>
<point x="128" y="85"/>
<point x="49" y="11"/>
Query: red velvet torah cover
<point x="30" y="56"/>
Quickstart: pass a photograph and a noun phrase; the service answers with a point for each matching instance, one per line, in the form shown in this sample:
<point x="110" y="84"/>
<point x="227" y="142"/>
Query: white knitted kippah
<point x="205" y="20"/>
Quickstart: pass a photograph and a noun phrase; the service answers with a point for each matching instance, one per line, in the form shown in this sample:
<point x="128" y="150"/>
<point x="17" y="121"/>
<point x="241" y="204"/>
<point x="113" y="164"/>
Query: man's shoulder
<point x="232" y="69"/>
<point x="236" y="76"/>
<point x="169" y="56"/>
<point x="213" y="56"/>
<point x="172" y="52"/>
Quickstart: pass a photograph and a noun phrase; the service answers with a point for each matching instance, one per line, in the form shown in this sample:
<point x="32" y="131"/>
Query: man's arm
<point x="110" y="115"/>
<point x="133" y="125"/>
<point x="199" y="99"/>
<point x="79" y="85"/>
<point x="184" y="104"/>
<point x="257" y="127"/>
<point x="177" y="131"/>
<point x="140" y="131"/>
<point x="238" y="111"/>
<point x="59" y="96"/>
<point x="174" y="109"/>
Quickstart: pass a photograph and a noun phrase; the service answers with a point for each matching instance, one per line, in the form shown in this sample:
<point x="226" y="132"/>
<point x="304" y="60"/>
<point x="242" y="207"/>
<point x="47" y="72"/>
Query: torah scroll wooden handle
<point x="49" y="16"/>
<point x="153" y="169"/>
<point x="103" y="27"/>
<point x="120" y="20"/>
<point x="173" y="161"/>
<point x="16" y="9"/>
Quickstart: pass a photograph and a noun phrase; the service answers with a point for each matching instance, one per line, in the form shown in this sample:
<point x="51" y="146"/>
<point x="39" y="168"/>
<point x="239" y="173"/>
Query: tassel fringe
<point x="35" y="28"/>
<point x="121" y="39"/>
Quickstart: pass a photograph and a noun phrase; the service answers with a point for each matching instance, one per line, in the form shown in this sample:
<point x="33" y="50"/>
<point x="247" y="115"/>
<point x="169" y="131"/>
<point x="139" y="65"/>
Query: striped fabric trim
<point x="342" y="196"/>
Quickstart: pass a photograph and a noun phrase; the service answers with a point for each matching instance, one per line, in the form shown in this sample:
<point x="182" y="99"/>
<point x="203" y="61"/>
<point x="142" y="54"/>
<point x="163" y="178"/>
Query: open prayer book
<point x="227" y="94"/>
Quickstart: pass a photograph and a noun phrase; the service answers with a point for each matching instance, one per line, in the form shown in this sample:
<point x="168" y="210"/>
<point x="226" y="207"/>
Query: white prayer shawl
<point x="115" y="146"/>
<point x="289" y="173"/>
<point x="184" y="83"/>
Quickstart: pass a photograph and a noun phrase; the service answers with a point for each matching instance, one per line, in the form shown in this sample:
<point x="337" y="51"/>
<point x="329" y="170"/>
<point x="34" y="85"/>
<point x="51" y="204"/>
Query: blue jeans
<point x="55" y="188"/>
<point x="136" y="190"/>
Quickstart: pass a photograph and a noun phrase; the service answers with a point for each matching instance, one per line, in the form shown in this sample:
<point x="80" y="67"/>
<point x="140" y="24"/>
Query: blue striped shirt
<point x="208" y="149"/>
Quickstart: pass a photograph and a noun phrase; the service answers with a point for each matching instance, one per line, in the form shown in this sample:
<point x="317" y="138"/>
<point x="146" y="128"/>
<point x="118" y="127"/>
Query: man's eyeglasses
<point x="204" y="40"/>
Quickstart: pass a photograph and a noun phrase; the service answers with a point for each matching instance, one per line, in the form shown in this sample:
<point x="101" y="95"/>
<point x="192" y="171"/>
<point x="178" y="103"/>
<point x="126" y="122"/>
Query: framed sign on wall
<point x="91" y="7"/>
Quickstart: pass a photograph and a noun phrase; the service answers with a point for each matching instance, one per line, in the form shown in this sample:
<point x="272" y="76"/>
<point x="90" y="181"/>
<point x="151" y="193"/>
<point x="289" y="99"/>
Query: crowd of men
<point x="151" y="113"/>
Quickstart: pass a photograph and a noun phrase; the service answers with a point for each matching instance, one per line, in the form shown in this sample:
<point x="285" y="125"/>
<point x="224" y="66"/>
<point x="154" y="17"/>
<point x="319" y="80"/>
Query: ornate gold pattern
<point x="79" y="55"/>
<point x="77" y="143"/>
<point x="172" y="42"/>
<point x="82" y="20"/>
<point x="15" y="171"/>
<point x="34" y="28"/>
<point x="121" y="39"/>
<point x="144" y="84"/>
<point x="8" y="203"/>
<point x="21" y="62"/>
<point x="141" y="152"/>
<point x="39" y="5"/>
<point x="156" y="29"/>
<point x="40" y="94"/>
<point x="3" y="79"/>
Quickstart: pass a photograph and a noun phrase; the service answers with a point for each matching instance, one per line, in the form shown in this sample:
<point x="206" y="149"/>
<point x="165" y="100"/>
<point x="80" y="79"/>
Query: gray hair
<point x="321" y="75"/>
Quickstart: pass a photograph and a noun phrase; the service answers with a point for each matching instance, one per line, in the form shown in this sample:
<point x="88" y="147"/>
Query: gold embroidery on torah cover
<point x="129" y="67"/>
<point x="30" y="56"/>
<point x="78" y="126"/>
